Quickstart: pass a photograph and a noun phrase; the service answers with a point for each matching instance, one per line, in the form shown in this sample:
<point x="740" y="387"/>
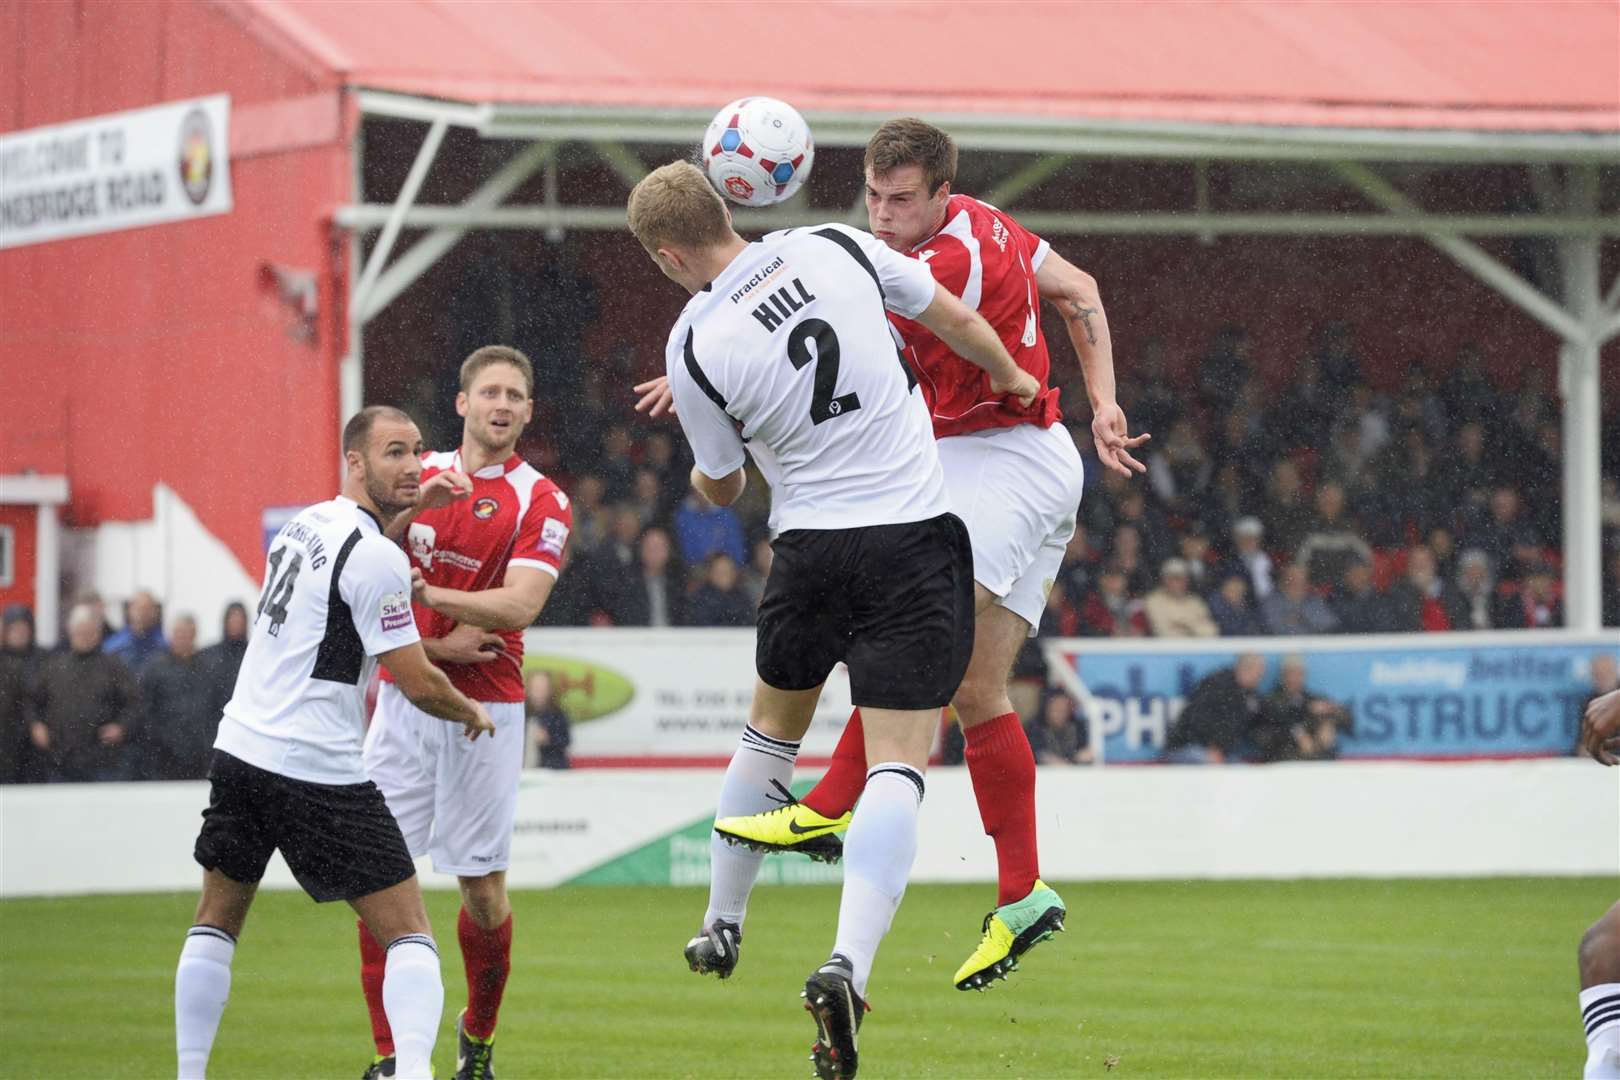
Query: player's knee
<point x="1600" y="950"/>
<point x="979" y="698"/>
<point x="485" y="900"/>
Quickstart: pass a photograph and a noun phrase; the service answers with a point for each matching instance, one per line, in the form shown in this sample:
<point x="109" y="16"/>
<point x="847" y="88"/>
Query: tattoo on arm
<point x="1084" y="314"/>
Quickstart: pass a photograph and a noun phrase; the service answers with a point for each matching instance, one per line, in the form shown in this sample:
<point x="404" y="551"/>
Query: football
<point x="757" y="151"/>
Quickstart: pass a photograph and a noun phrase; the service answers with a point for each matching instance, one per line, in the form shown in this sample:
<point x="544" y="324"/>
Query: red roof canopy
<point x="1501" y="66"/>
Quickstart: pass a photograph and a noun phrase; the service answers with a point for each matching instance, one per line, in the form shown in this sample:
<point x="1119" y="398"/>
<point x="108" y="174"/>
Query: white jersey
<point x="788" y="352"/>
<point x="337" y="594"/>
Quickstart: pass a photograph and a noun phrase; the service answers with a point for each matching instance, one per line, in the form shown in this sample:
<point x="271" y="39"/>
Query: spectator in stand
<point x="1468" y="395"/>
<point x="1474" y="602"/>
<point x="1126" y="554"/>
<point x="1110" y="610"/>
<point x="1295" y="724"/>
<point x="177" y="738"/>
<point x="550" y="734"/>
<point x="1059" y="618"/>
<point x="98" y="607"/>
<point x="721" y="601"/>
<point x="1536" y="605"/>
<point x="1357" y="605"/>
<point x="1194" y="545"/>
<point x="651" y="592"/>
<point x="1421" y="600"/>
<point x="1250" y="559"/>
<point x="1219" y="712"/>
<point x="1369" y="413"/>
<point x="1406" y="478"/>
<point x="1224" y="368"/>
<point x="616" y="465"/>
<point x="1505" y="537"/>
<point x="1056" y="735"/>
<point x="1293" y="609"/>
<point x="647" y="498"/>
<point x="1157" y="407"/>
<point x="658" y="453"/>
<point x="1078" y="571"/>
<point x="611" y="564"/>
<point x="1468" y="476"/>
<point x="1180" y="470"/>
<point x="1337" y="364"/>
<point x="1173" y="610"/>
<point x="1444" y="547"/>
<point x="590" y="514"/>
<point x="16" y="715"/>
<point x="573" y="598"/>
<point x="1157" y="542"/>
<point x="1300" y="416"/>
<point x="1287" y="515"/>
<point x="141" y="640"/>
<point x="88" y="707"/>
<point x="1348" y="462"/>
<point x="1231" y="610"/>
<point x="19" y="650"/>
<point x="702" y="529"/>
<point x="222" y="660"/>
<point x="1334" y="541"/>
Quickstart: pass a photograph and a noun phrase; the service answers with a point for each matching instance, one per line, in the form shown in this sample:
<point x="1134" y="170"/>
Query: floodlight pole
<point x="1579" y="386"/>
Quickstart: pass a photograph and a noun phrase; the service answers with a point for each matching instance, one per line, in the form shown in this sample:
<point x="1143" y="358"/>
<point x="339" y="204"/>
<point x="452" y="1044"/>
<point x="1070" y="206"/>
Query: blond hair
<point x="489" y="356"/>
<point x="909" y="141"/>
<point x="674" y="205"/>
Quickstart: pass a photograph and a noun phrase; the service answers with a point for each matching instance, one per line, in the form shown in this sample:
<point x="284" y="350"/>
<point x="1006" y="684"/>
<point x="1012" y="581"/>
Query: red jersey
<point x="989" y="261"/>
<point x="515" y="516"/>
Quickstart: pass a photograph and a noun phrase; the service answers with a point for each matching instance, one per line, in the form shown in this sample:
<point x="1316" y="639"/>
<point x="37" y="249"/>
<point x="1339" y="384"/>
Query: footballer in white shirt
<point x="287" y="771"/>
<point x="784" y="350"/>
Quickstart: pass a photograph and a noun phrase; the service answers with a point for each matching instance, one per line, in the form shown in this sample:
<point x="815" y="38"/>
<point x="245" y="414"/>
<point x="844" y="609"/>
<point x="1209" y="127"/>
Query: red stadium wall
<point x="21" y="521"/>
<point x="161" y="354"/>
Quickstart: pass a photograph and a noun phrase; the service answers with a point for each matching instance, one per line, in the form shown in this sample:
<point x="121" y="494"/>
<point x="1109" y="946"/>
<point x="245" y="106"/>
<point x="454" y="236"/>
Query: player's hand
<point x="1024" y="386"/>
<point x="656" y="400"/>
<point x="421" y="591"/>
<point x="1114" y="442"/>
<point x="443" y="489"/>
<point x="1600" y="729"/>
<point x="468" y="644"/>
<point x="479" y="724"/>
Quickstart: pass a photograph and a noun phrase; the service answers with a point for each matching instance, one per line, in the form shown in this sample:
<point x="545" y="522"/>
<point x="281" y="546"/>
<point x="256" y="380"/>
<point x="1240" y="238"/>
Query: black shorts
<point x="893" y="602"/>
<point x="339" y="840"/>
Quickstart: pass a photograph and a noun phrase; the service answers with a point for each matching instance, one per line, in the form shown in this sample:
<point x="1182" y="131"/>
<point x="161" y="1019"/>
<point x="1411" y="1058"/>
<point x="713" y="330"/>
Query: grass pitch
<point x="1295" y="979"/>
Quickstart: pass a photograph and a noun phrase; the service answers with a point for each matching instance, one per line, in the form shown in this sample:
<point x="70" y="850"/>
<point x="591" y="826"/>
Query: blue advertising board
<point x="1423" y="696"/>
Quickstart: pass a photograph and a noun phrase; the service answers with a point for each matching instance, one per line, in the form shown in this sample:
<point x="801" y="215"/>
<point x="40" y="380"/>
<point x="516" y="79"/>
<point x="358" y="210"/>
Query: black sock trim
<point x="751" y="732"/>
<point x="417" y="939"/>
<point x="1601" y="1003"/>
<point x="1602" y="1017"/>
<point x="204" y="930"/>
<point x="902" y="770"/>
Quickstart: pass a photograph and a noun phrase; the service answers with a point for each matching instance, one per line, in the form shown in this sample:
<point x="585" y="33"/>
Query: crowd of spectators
<point x="135" y="704"/>
<point x="1325" y="506"/>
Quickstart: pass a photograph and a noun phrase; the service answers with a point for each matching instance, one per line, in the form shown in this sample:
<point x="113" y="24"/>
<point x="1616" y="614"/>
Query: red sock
<point x="836" y="793"/>
<point x="1002" y="768"/>
<point x="487" y="955"/>
<point x="373" y="961"/>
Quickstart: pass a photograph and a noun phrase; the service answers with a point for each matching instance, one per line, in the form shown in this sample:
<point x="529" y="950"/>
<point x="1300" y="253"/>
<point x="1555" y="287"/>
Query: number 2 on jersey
<point x="278" y="591"/>
<point x="823" y="405"/>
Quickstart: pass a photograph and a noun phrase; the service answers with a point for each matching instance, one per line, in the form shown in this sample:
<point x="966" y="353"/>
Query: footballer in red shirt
<point x="1014" y="478"/>
<point x="485" y="545"/>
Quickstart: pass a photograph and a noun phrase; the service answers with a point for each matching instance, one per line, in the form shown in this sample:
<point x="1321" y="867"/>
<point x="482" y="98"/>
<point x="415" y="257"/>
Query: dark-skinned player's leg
<point x="1600" y="996"/>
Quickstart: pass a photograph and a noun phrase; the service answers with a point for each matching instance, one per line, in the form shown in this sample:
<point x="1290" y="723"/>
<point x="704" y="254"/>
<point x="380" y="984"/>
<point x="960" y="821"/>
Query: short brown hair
<point x="674" y="204"/>
<point x="357" y="432"/>
<point x="489" y="356"/>
<point x="909" y="141"/>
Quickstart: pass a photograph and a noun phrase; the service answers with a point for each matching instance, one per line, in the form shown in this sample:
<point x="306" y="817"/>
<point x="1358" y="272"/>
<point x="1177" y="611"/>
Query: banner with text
<point x="665" y="694"/>
<point x="120" y="171"/>
<point x="1429" y="696"/>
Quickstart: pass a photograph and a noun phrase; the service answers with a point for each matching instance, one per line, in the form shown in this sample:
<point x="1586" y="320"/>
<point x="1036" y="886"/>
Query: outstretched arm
<point x="513" y="606"/>
<point x="1074" y="293"/>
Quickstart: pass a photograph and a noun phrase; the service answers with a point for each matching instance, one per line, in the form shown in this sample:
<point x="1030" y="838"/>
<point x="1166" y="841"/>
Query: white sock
<point x="202" y="983"/>
<point x="878" y="852"/>
<point x="1600" y="1012"/>
<point x="747" y="789"/>
<point x="413" y="998"/>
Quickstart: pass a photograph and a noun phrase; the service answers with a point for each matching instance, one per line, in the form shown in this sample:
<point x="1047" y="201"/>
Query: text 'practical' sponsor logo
<point x="584" y="690"/>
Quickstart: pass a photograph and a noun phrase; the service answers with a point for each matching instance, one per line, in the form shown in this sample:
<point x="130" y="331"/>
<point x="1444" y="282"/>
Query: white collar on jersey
<point x="491" y="472"/>
<point x="369" y="516"/>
